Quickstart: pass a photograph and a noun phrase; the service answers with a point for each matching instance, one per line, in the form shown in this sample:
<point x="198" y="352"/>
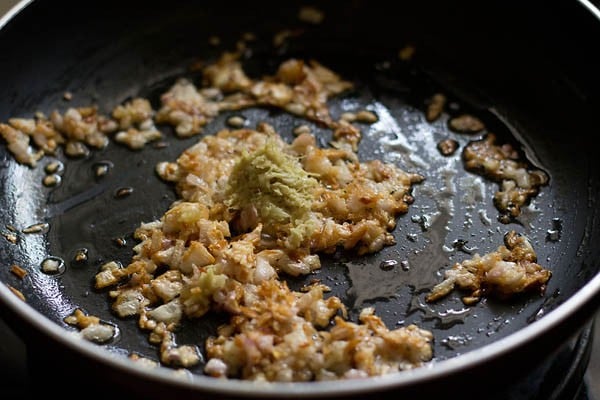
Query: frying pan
<point x="525" y="70"/>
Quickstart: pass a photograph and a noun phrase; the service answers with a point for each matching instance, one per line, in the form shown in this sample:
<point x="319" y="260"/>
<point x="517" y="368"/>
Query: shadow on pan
<point x="531" y="84"/>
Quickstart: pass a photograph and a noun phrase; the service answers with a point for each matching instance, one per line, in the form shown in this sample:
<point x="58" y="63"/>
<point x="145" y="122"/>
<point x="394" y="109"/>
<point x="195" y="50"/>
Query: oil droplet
<point x="529" y="214"/>
<point x="388" y="265"/>
<point x="485" y="220"/>
<point x="461" y="245"/>
<point x="160" y="145"/>
<point x="54" y="167"/>
<point x="123" y="192"/>
<point x="236" y="121"/>
<point x="425" y="262"/>
<point x="537" y="316"/>
<point x="81" y="255"/>
<point x="444" y="319"/>
<point x="53" y="265"/>
<point x="37" y="228"/>
<point x="424" y="221"/>
<point x="553" y="234"/>
<point x="370" y="283"/>
<point x="453" y="342"/>
<point x="121" y="242"/>
<point x="51" y="180"/>
<point x="102" y="168"/>
<point x="542" y="309"/>
<point x="382" y="66"/>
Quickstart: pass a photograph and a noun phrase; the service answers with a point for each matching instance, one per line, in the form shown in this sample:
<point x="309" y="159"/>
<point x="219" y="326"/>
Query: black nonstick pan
<point x="526" y="70"/>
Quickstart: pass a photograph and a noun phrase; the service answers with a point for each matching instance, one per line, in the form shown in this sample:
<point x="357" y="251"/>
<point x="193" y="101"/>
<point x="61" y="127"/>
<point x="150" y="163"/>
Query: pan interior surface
<point x="117" y="57"/>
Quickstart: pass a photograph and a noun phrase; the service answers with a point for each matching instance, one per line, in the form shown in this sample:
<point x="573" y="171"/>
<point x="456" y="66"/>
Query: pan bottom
<point x="503" y="320"/>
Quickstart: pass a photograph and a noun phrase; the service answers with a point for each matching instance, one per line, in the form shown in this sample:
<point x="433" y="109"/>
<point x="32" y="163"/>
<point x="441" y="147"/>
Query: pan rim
<point x="586" y="295"/>
<point x="403" y="379"/>
<point x="592" y="8"/>
<point x="13" y="11"/>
